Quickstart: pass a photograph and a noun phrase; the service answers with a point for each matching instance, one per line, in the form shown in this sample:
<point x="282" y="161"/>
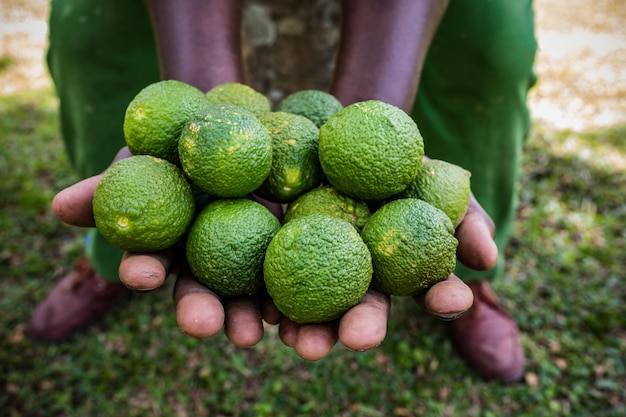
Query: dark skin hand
<point x="186" y="31"/>
<point x="201" y="313"/>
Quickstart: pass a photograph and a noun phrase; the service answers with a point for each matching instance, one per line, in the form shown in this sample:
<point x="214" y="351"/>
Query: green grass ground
<point x="565" y="286"/>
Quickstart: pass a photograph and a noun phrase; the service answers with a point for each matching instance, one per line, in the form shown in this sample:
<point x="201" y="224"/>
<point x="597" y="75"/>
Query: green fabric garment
<point x="101" y="53"/>
<point x="471" y="104"/>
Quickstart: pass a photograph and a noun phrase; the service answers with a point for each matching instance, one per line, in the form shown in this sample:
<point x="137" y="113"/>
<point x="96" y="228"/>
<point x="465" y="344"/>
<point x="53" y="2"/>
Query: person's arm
<point x="382" y="50"/>
<point x="198" y="41"/>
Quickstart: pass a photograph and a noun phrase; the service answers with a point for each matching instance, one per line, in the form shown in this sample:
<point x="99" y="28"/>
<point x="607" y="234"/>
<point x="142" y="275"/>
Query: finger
<point x="73" y="205"/>
<point x="448" y="299"/>
<point x="145" y="271"/>
<point x="477" y="249"/>
<point x="277" y="209"/>
<point x="288" y="332"/>
<point x="364" y="326"/>
<point x="199" y="311"/>
<point x="121" y="154"/>
<point x="315" y="341"/>
<point x="269" y="312"/>
<point x="244" y="326"/>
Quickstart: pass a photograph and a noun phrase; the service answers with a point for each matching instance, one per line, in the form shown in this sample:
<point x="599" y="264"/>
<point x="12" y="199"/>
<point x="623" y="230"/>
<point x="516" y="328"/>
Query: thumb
<point x="73" y="205"/>
<point x="477" y="249"/>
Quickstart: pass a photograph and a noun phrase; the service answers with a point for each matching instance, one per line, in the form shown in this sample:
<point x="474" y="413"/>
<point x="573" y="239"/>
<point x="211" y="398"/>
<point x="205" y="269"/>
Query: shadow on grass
<point x="567" y="262"/>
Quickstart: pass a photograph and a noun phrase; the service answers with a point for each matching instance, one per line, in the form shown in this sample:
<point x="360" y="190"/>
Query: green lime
<point x="316" y="268"/>
<point x="444" y="185"/>
<point x="227" y="152"/>
<point x="226" y="245"/>
<point x="370" y="150"/>
<point x="315" y="105"/>
<point x="156" y="116"/>
<point x="295" y="164"/>
<point x="240" y="95"/>
<point x="412" y="245"/>
<point x="327" y="200"/>
<point x="143" y="204"/>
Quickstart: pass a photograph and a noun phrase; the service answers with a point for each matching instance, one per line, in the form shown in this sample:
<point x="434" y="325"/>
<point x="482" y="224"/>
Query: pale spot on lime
<point x="123" y="222"/>
<point x="388" y="244"/>
<point x="293" y="176"/>
<point x="194" y="127"/>
<point x="140" y="113"/>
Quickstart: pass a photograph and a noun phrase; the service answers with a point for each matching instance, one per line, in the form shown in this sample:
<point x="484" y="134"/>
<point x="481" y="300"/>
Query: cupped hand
<point x="200" y="312"/>
<point x="364" y="326"/>
<point x="477" y="250"/>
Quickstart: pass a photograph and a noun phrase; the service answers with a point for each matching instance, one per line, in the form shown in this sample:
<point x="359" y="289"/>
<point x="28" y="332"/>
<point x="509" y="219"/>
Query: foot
<point x="488" y="338"/>
<point x="79" y="299"/>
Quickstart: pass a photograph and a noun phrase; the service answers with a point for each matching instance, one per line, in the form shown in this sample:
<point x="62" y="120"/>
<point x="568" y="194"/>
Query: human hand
<point x="364" y="326"/>
<point x="201" y="313"/>
<point x="477" y="250"/>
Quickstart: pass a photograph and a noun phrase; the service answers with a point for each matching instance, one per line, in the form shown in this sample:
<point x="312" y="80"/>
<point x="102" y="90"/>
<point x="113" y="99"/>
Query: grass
<point x="565" y="286"/>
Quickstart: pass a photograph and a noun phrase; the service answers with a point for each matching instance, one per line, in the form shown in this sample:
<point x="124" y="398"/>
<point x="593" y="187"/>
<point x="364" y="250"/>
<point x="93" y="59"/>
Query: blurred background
<point x="565" y="279"/>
